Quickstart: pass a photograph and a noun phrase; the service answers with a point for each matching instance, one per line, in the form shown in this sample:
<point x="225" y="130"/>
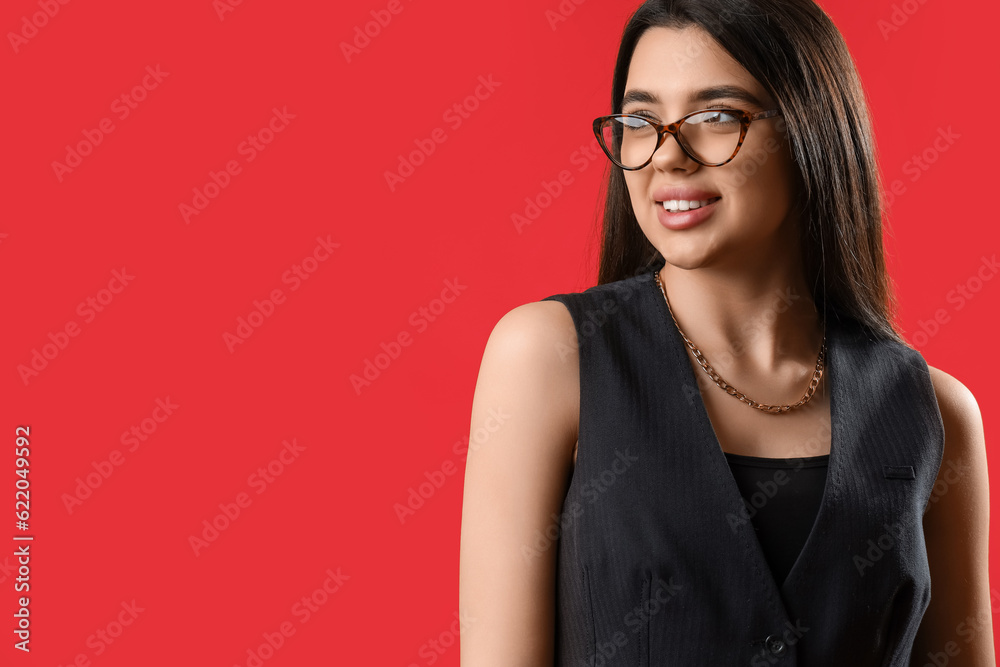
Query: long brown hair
<point x="796" y="52"/>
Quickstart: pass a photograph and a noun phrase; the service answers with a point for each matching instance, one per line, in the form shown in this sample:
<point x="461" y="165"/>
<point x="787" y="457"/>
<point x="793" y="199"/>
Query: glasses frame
<point x="745" y="118"/>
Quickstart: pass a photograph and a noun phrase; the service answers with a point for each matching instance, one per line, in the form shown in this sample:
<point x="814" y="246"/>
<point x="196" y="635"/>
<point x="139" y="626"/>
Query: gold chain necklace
<point x="733" y="391"/>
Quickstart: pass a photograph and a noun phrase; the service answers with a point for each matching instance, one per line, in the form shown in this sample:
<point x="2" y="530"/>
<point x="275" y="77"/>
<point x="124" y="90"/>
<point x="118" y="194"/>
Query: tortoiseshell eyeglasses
<point x="711" y="137"/>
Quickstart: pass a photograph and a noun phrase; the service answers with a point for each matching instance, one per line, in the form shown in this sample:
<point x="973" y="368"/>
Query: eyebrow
<point x="703" y="95"/>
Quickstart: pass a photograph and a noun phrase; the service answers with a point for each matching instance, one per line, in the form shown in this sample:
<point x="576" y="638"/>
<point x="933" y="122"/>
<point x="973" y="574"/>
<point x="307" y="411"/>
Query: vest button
<point x="775" y="644"/>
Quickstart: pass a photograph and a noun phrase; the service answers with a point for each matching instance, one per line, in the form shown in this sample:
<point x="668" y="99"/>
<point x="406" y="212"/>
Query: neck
<point x="750" y="318"/>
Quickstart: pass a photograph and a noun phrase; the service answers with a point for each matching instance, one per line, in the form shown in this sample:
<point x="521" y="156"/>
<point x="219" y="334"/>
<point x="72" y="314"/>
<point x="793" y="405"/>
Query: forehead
<point x="674" y="62"/>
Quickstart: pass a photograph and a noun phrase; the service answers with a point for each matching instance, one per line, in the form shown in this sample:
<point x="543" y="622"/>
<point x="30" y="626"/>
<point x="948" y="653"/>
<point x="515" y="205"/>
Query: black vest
<point x="658" y="563"/>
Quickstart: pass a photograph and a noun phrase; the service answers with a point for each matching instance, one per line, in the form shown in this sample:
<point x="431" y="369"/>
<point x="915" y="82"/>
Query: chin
<point x="685" y="261"/>
<point x="684" y="255"/>
<point x="683" y="252"/>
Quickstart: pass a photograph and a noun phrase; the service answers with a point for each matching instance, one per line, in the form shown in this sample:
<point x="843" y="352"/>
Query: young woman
<point x="724" y="453"/>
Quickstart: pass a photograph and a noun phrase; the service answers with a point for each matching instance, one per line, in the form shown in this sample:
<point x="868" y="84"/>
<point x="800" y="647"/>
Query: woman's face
<point x="751" y="222"/>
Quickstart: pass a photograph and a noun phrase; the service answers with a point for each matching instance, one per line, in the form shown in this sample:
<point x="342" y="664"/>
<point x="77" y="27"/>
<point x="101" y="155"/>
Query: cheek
<point x="634" y="185"/>
<point x="762" y="182"/>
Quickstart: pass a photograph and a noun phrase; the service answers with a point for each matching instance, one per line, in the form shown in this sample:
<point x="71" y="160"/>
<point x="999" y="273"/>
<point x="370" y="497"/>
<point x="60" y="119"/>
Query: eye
<point x="652" y="117"/>
<point x="716" y="118"/>
<point x="643" y="114"/>
<point x="634" y="124"/>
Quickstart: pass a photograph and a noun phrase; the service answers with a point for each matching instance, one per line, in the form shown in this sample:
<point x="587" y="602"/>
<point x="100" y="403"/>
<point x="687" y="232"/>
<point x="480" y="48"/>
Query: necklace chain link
<point x="733" y="391"/>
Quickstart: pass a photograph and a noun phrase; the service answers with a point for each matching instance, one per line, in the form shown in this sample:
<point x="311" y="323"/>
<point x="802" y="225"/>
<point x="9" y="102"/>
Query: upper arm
<point x="958" y="623"/>
<point x="524" y="426"/>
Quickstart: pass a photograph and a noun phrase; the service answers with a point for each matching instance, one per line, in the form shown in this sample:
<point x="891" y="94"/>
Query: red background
<point x="323" y="175"/>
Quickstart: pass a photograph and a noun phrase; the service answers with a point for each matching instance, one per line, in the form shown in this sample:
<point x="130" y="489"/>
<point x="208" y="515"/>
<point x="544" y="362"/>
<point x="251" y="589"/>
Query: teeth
<point x="684" y="204"/>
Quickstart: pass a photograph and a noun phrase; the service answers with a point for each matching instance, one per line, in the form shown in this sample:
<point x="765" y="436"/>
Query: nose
<point x="670" y="155"/>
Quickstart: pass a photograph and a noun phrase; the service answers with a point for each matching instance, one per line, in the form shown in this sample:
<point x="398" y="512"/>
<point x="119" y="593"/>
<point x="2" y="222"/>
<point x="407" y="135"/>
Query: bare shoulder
<point x="517" y="471"/>
<point x="533" y="348"/>
<point x="537" y="329"/>
<point x="959" y="409"/>
<point x="956" y="530"/>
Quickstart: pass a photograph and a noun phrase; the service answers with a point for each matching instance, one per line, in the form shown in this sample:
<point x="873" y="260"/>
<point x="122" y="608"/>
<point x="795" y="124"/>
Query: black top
<point x="655" y="562"/>
<point x="782" y="497"/>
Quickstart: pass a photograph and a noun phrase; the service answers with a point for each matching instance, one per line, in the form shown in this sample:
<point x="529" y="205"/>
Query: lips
<point x="668" y="193"/>
<point x="680" y="219"/>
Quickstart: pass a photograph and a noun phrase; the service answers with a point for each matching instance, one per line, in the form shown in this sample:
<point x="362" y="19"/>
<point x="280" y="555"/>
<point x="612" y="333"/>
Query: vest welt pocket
<point x="898" y="472"/>
<point x="644" y="622"/>
<point x="591" y="631"/>
<point x="650" y="612"/>
<point x="622" y="636"/>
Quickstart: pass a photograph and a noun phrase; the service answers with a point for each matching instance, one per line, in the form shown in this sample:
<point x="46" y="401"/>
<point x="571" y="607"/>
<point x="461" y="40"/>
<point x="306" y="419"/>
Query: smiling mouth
<point x="676" y="205"/>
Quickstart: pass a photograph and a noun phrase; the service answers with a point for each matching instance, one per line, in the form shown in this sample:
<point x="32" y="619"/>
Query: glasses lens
<point x="711" y="136"/>
<point x="629" y="140"/>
